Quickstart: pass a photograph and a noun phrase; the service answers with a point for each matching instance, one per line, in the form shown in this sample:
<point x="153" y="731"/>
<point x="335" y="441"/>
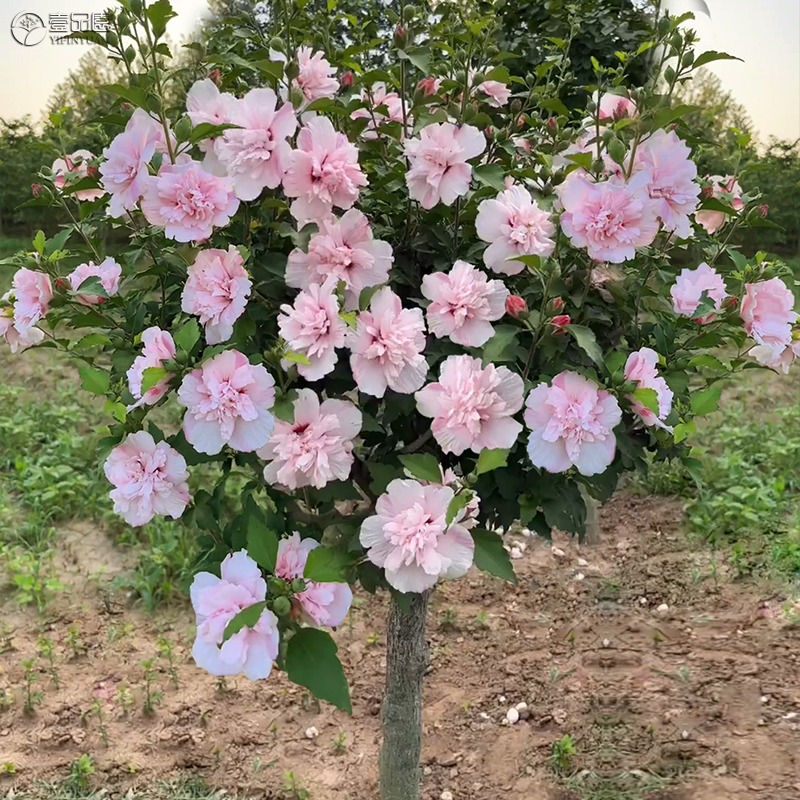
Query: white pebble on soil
<point x="663" y="608"/>
<point x="579" y="576"/>
<point x="582" y="562"/>
<point x="557" y="552"/>
<point x="642" y="601"/>
<point x="445" y="795"/>
<point x="515" y="553"/>
<point x="311" y="733"/>
<point x="521" y="706"/>
<point x="512" y="715"/>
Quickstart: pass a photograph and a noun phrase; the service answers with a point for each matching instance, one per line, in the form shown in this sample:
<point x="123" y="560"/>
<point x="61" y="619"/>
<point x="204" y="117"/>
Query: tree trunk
<point x="401" y="713"/>
<point x="592" y="517"/>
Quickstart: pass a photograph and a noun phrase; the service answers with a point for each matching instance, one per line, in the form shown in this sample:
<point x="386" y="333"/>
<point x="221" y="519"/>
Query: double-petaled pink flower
<point x="315" y="75"/>
<point x="256" y="154"/>
<point x="158" y="347"/>
<point x="323" y="604"/>
<point x="782" y="360"/>
<point x="107" y="271"/>
<point x="768" y="313"/>
<point x="440" y="171"/>
<point x="497" y="93"/>
<point x="323" y="172"/>
<point x="472" y="407"/>
<point x="514" y="225"/>
<point x="74" y="168"/>
<point x="205" y="103"/>
<point x="124" y="172"/>
<point x="343" y="249"/>
<point x="227" y="402"/>
<point x="216" y="602"/>
<point x="216" y="290"/>
<point x="17" y="341"/>
<point x="32" y="293"/>
<point x="727" y="190"/>
<point x="149" y="479"/>
<point x="463" y="304"/>
<point x="616" y="107"/>
<point x="572" y="424"/>
<point x="642" y="367"/>
<point x="672" y="185"/>
<point x="187" y="201"/>
<point x="387" y="347"/>
<point x="313" y="328"/>
<point x="688" y="289"/>
<point x="410" y="538"/>
<point x="376" y="98"/>
<point x="314" y="449"/>
<point x="611" y="220"/>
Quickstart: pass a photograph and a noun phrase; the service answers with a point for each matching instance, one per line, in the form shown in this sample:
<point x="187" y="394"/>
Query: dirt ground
<point x="700" y="700"/>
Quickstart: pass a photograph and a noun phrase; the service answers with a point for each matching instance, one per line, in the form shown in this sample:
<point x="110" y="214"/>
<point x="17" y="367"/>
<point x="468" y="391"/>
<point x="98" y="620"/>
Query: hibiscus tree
<point x="413" y="307"/>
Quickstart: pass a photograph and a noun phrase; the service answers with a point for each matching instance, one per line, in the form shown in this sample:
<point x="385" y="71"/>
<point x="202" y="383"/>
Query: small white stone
<point x="663" y="608"/>
<point x="515" y="553"/>
<point x="579" y="576"/>
<point x="765" y="698"/>
<point x="504" y="721"/>
<point x="685" y="734"/>
<point x="790" y="715"/>
<point x="427" y="771"/>
<point x="501" y="699"/>
<point x="445" y="795"/>
<point x="311" y="733"/>
<point x="521" y="706"/>
<point x="642" y="601"/>
<point x="557" y="552"/>
<point x="582" y="562"/>
<point x="512" y="715"/>
<point x="484" y="715"/>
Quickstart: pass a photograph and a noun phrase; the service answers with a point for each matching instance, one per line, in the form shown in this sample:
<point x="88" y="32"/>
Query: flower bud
<point x="516" y="306"/>
<point x="706" y="192"/>
<point x="276" y="43"/>
<point x="298" y="585"/>
<point x="125" y="107"/>
<point x="428" y="85"/>
<point x="763" y="210"/>
<point x="215" y="75"/>
<point x="136" y="7"/>
<point x="183" y="129"/>
<point x="796" y="335"/>
<point x="400" y="35"/>
<point x="92" y="171"/>
<point x="552" y="123"/>
<point x="516" y="106"/>
<point x="347" y="80"/>
<point x="36" y="189"/>
<point x="561" y="321"/>
<point x="281" y="606"/>
<point x="488" y="133"/>
<point x="61" y="284"/>
<point x="558" y="304"/>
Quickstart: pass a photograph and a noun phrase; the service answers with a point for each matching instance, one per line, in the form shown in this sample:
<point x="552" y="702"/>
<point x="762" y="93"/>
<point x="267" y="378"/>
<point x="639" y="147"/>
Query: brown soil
<point x="705" y="695"/>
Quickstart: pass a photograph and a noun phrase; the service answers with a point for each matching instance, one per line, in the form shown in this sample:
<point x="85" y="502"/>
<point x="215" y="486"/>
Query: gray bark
<point x="592" y="517"/>
<point x="401" y="713"/>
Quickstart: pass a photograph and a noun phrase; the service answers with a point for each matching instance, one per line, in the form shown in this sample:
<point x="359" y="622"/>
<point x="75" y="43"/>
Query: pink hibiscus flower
<point x="216" y="290"/>
<point x="410" y="538"/>
<point x="387" y="347"/>
<point x="205" y="103"/>
<point x="256" y="154"/>
<point x="32" y="293"/>
<point x="323" y="172"/>
<point x="343" y="249"/>
<point x="768" y="313"/>
<point x="124" y="171"/>
<point x="227" y="402"/>
<point x="497" y="93"/>
<point x="463" y="304"/>
<point x="158" y="346"/>
<point x="17" y="341"/>
<point x="314" y="449"/>
<point x="313" y="327"/>
<point x="782" y="360"/>
<point x="472" y="407"/>
<point x="216" y="602"/>
<point x="109" y="273"/>
<point x="514" y="225"/>
<point x="727" y="190"/>
<point x="609" y="219"/>
<point x="324" y="604"/>
<point x="641" y="367"/>
<point x="439" y="170"/>
<point x="572" y="424"/>
<point x="616" y="107"/>
<point x="688" y="289"/>
<point x="315" y="77"/>
<point x="149" y="478"/>
<point x="672" y="184"/>
<point x="187" y="201"/>
<point x="375" y="99"/>
<point x="74" y="168"/>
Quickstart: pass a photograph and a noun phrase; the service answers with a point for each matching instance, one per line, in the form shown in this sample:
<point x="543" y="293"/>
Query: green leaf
<point x="207" y="130"/>
<point x="490" y="175"/>
<point x="458" y="504"/>
<point x="423" y="467"/>
<point x="585" y="339"/>
<point x="159" y="14"/>
<point x="712" y="55"/>
<point x="706" y="400"/>
<point x="39" y="242"/>
<point x="328" y="565"/>
<point x="296" y="358"/>
<point x="496" y="349"/>
<point x="151" y="376"/>
<point x="667" y="115"/>
<point x="311" y="661"/>
<point x="382" y="475"/>
<point x="262" y="544"/>
<point x="682" y="430"/>
<point x="554" y="104"/>
<point x="420" y="58"/>
<point x="188" y="335"/>
<point x="94" y="380"/>
<point x="91" y="287"/>
<point x="246" y="618"/>
<point x="491" y="556"/>
<point x="648" y="398"/>
<point x="491" y="459"/>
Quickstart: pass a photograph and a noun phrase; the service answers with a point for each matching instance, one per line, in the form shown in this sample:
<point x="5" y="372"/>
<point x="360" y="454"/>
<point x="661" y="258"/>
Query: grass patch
<point x="69" y="789"/>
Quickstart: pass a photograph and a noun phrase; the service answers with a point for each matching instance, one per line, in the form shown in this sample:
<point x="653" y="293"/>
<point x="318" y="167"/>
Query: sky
<point x="765" y="33"/>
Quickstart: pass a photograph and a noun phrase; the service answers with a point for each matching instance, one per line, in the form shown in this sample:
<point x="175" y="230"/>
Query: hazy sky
<point x="765" y="33"/>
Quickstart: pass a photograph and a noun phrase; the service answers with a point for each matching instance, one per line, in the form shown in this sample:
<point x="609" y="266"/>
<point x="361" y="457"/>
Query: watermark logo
<point x="28" y="28"/>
